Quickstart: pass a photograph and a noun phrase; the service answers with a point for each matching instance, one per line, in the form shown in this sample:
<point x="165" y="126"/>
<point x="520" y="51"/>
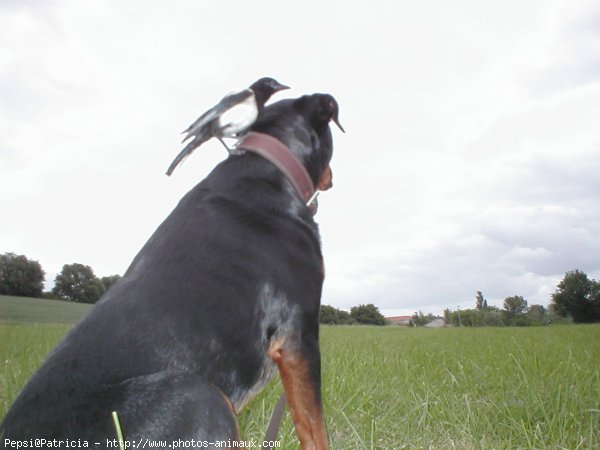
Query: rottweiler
<point x="225" y="292"/>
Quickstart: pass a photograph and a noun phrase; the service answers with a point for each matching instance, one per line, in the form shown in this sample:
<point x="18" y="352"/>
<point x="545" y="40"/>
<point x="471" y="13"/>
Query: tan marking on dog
<point x="302" y="398"/>
<point x="326" y="181"/>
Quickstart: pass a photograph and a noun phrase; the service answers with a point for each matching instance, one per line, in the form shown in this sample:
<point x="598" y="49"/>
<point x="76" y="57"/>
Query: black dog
<point x="226" y="289"/>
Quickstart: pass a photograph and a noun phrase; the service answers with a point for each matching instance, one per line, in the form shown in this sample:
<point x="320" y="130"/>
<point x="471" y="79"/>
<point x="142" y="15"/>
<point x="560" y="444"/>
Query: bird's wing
<point x="226" y="103"/>
<point x="201" y="121"/>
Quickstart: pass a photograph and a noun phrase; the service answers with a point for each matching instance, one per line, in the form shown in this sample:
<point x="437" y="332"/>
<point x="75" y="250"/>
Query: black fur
<point x="235" y="265"/>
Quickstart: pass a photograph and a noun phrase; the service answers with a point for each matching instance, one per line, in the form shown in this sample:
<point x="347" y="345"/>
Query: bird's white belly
<point x="238" y="118"/>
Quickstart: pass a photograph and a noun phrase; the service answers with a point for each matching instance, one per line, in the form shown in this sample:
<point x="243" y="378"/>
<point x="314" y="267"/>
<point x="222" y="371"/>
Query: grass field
<point x="36" y="310"/>
<point x="389" y="387"/>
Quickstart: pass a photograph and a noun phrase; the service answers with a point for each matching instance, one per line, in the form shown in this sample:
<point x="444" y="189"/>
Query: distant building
<point x="436" y="323"/>
<point x="399" y="320"/>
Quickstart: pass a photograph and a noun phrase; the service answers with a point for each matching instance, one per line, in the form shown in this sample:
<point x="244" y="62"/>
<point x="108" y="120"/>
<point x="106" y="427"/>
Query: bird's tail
<point x="188" y="134"/>
<point x="187" y="150"/>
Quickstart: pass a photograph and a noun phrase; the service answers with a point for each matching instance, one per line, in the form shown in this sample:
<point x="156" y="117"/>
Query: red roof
<point x="403" y="320"/>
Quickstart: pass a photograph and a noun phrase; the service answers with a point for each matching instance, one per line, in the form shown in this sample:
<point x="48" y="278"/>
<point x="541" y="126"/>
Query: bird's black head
<point x="265" y="87"/>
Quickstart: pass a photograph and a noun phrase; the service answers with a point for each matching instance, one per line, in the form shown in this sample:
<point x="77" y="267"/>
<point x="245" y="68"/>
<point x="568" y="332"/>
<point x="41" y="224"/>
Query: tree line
<point x="575" y="300"/>
<point x="514" y="312"/>
<point x="362" y="314"/>
<point x="22" y="277"/>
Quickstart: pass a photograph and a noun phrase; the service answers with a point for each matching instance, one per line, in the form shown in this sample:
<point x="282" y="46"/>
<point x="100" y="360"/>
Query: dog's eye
<point x="271" y="331"/>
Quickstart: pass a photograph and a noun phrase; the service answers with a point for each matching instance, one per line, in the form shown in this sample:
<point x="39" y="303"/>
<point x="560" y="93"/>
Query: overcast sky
<point x="471" y="159"/>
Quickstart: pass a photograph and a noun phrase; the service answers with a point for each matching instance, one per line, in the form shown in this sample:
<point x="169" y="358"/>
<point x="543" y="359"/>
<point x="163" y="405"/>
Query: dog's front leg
<point x="300" y="370"/>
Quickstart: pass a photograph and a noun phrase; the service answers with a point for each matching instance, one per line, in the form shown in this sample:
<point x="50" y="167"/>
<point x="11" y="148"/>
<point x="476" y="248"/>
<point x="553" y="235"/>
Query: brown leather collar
<point x="280" y="155"/>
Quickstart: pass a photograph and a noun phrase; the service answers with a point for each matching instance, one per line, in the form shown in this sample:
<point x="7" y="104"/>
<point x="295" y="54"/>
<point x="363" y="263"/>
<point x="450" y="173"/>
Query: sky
<point x="470" y="160"/>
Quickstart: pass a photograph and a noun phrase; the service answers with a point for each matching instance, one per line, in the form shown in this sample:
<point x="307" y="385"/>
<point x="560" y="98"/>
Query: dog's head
<point x="303" y="125"/>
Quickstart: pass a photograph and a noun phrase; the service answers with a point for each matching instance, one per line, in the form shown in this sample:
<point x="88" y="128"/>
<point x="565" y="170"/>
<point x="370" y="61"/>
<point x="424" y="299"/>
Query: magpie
<point x="229" y="118"/>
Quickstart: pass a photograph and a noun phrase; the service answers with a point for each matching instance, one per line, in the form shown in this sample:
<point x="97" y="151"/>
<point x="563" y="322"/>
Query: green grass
<point x="390" y="387"/>
<point x="36" y="310"/>
<point x="482" y="388"/>
<point x="22" y="350"/>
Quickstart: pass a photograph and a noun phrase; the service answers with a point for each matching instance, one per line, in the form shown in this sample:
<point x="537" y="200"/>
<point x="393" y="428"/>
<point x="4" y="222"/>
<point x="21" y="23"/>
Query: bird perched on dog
<point x="230" y="118"/>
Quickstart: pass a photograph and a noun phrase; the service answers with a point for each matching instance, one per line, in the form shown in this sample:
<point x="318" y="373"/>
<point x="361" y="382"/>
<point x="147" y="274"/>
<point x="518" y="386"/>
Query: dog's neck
<point x="282" y="157"/>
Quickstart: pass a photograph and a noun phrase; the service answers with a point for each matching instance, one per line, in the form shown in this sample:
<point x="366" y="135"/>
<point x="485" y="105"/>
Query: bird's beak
<point x="281" y="87"/>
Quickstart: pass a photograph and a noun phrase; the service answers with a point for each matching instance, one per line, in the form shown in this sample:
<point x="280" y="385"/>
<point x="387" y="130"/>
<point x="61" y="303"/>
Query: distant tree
<point x="447" y="319"/>
<point x="107" y="282"/>
<point x="467" y="318"/>
<point x="456" y="318"/>
<point x="49" y="295"/>
<point x="577" y="296"/>
<point x="344" y="318"/>
<point x="328" y="315"/>
<point x="367" y="314"/>
<point x="419" y="319"/>
<point x="595" y="301"/>
<point x="514" y="309"/>
<point x="536" y="314"/>
<point x="488" y="317"/>
<point x="333" y="316"/>
<point x="492" y="316"/>
<point x="20" y="276"/>
<point x="77" y="283"/>
<point x="552" y="318"/>
<point x="479" y="301"/>
<point x="515" y="305"/>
